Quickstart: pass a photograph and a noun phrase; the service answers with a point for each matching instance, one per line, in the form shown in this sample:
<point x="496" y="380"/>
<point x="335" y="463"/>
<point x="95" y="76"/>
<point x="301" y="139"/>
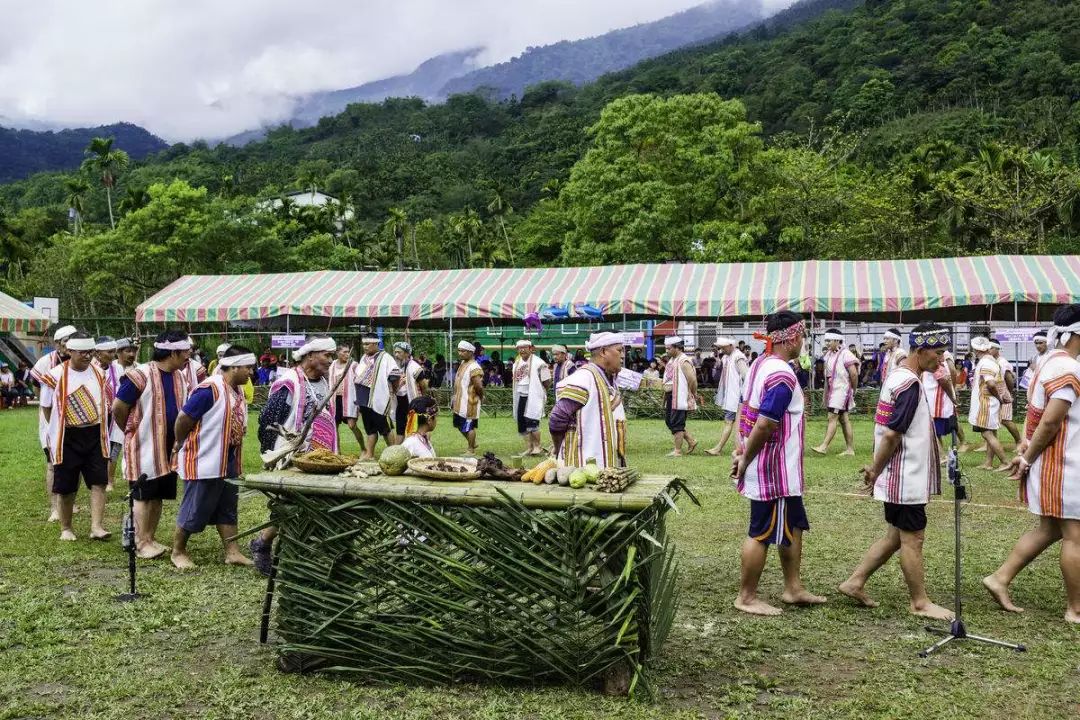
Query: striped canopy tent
<point x="16" y="317"/>
<point x="947" y="288"/>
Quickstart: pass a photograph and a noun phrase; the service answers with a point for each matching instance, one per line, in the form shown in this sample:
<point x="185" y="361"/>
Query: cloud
<point x="211" y="68"/>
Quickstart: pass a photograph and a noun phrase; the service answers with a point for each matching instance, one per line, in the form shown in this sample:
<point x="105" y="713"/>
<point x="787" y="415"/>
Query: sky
<point x="212" y="68"/>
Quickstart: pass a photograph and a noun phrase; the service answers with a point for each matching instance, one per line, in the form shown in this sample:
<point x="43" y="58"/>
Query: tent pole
<point x="813" y="361"/>
<point x="450" y="354"/>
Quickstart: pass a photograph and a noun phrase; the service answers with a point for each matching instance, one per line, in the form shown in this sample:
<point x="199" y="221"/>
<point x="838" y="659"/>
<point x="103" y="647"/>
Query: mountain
<point x="25" y="152"/>
<point x="580" y="61"/>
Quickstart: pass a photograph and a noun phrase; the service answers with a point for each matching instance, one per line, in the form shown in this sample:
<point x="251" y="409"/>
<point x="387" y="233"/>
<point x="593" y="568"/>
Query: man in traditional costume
<point x="194" y="372"/>
<point x="375" y="379"/>
<point x="588" y="419"/>
<point x="293" y="400"/>
<point x="74" y="399"/>
<point x="147" y="403"/>
<point x="343" y="367"/>
<point x="413" y="384"/>
<point x="209" y="441"/>
<point x="43" y="367"/>
<point x="893" y="353"/>
<point x="940" y="390"/>
<point x="733" y="374"/>
<point x="1007" y="389"/>
<point x="680" y="394"/>
<point x="562" y="366"/>
<point x="1039" y="340"/>
<point x="905" y="472"/>
<point x="841" y="379"/>
<point x="105" y="352"/>
<point x="532" y="378"/>
<point x="468" y="394"/>
<point x="768" y="467"/>
<point x="984" y="415"/>
<point x="1048" y="466"/>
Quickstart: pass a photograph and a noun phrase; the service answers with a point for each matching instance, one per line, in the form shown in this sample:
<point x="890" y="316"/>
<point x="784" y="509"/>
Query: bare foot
<point x="693" y="446"/>
<point x="674" y="453"/>
<point x="67" y="536"/>
<point x="984" y="466"/>
<point x="757" y="607"/>
<point x="857" y="594"/>
<point x="802" y="597"/>
<point x="964" y="447"/>
<point x="818" y="450"/>
<point x="100" y="534"/>
<point x="1004" y="468"/>
<point x="981" y="448"/>
<point x="150" y="551"/>
<point x="182" y="561"/>
<point x="932" y="611"/>
<point x="1000" y="592"/>
<point x="53" y="517"/>
<point x="108" y="487"/>
<point x="238" y="559"/>
<point x="712" y="451"/>
<point x="848" y="453"/>
<point x="1072" y="616"/>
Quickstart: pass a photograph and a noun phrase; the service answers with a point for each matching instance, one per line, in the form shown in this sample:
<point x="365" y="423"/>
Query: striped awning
<point x="18" y="317"/>
<point x="687" y="291"/>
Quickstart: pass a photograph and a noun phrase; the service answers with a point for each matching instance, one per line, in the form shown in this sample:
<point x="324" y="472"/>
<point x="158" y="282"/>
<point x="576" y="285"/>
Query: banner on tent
<point x="1022" y="334"/>
<point x="287" y="342"/>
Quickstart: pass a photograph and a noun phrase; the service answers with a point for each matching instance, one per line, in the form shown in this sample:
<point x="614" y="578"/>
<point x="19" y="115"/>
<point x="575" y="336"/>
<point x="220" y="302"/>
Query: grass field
<point x="189" y="650"/>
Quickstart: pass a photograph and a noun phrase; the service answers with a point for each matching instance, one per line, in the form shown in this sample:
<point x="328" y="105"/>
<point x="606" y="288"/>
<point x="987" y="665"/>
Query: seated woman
<point x="423" y="415"/>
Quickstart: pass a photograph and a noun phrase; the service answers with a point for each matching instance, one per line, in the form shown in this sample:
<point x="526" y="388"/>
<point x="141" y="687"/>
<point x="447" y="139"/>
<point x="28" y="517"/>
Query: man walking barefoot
<point x="905" y="472"/>
<point x="769" y="466"/>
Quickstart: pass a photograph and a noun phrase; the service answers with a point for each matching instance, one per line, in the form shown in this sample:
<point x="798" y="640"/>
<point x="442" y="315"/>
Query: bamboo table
<point x="409" y="579"/>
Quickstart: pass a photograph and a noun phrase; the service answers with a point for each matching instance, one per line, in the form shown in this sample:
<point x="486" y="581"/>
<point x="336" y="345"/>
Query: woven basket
<point x="320" y="468"/>
<point x="424" y="468"/>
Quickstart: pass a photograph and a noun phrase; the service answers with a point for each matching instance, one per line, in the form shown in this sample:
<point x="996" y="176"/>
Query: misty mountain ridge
<point x="25" y="152"/>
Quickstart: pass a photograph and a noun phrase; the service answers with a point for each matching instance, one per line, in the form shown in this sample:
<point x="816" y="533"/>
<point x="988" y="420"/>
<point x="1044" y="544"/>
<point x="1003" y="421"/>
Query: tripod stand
<point x="957" y="630"/>
<point x="127" y="541"/>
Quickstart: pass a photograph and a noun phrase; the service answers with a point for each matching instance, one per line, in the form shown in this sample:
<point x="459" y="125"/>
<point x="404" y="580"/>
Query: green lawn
<point x="190" y="650"/>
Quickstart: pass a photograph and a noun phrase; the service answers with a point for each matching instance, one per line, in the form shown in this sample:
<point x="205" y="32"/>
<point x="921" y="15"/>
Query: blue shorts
<point x="771" y="521"/>
<point x="944" y="426"/>
<point x="207" y="502"/>
<point x="465" y="425"/>
<point x="730" y="415"/>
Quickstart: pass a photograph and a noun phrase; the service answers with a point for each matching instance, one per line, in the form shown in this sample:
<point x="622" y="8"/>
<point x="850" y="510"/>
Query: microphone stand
<point x="127" y="542"/>
<point x="957" y="630"/>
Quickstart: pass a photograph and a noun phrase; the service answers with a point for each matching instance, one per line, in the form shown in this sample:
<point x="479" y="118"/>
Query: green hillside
<point x="905" y="128"/>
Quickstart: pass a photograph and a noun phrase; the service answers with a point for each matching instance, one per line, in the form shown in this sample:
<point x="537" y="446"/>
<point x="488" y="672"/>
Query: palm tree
<point x="396" y="223"/>
<point x="108" y="164"/>
<point x="499" y="208"/>
<point x="76" y="189"/>
<point x="134" y="199"/>
<point x="467" y="227"/>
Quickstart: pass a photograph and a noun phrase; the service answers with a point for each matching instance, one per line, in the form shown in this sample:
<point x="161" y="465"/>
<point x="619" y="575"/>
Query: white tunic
<point x="838" y="389"/>
<point x="732" y="379"/>
<point x="675" y="383"/>
<point x="892" y="360"/>
<point x="599" y="428"/>
<point x="42" y="368"/>
<point x="941" y="405"/>
<point x="913" y="473"/>
<point x="529" y="378"/>
<point x="985" y="408"/>
<point x="777" y="470"/>
<point x="466" y="403"/>
<point x="1005" y="412"/>
<point x="1053" y="482"/>
<point x="77" y="399"/>
<point x="418" y="446"/>
<point x="205" y="453"/>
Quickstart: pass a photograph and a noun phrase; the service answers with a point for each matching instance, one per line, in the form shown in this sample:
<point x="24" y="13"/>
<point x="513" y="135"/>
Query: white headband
<point x="369" y="339"/>
<point x="106" y="346"/>
<point x="889" y="334"/>
<point x="175" y="345"/>
<point x="724" y="341"/>
<point x="830" y="335"/>
<point x="317" y="345"/>
<point x="222" y="348"/>
<point x="995" y="344"/>
<point x="463" y="345"/>
<point x="558" y="348"/>
<point x="64" y="332"/>
<point x="980" y="344"/>
<point x="238" y="360"/>
<point x="603" y="340"/>
<point x="1061" y="334"/>
<point x="672" y="340"/>
<point x="523" y="344"/>
<point x="81" y="344"/>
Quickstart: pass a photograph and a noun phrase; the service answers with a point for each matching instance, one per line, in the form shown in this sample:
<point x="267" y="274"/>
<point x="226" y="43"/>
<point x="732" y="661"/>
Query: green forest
<point x="899" y="129"/>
